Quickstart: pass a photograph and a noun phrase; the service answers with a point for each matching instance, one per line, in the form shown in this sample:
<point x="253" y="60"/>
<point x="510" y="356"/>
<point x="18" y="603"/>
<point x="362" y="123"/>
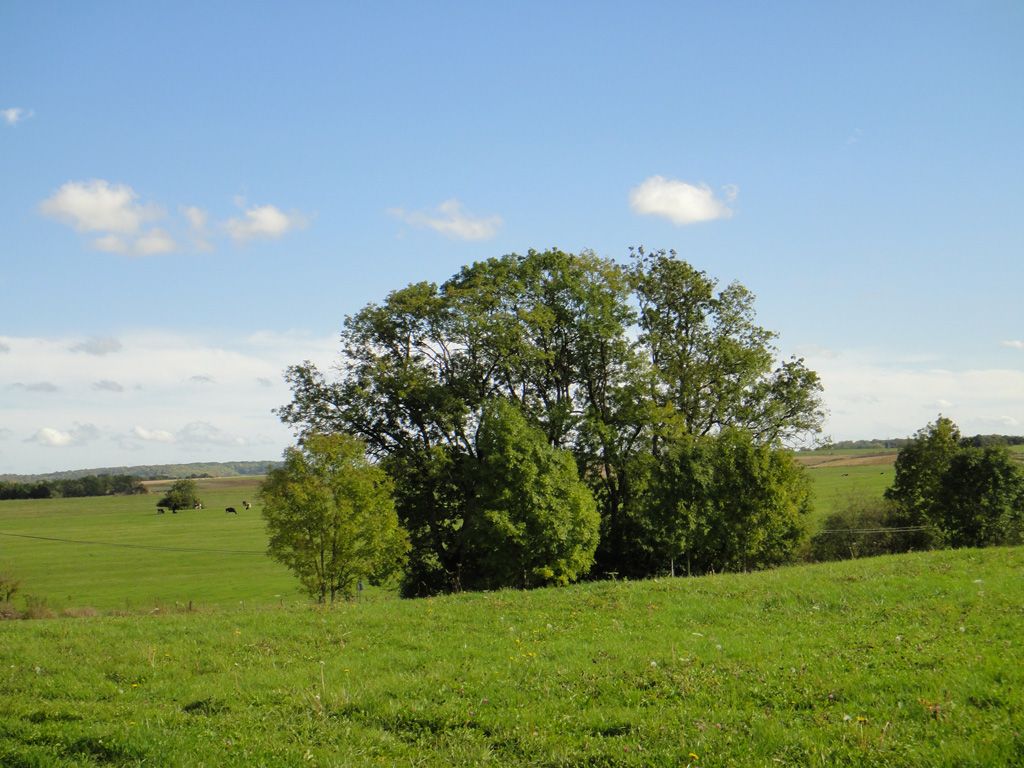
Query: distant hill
<point x="159" y="471"/>
<point x="980" y="441"/>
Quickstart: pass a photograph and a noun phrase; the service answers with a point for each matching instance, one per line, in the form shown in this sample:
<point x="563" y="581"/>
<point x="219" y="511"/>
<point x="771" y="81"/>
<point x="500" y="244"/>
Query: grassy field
<point x="900" y="661"/>
<point x="838" y="474"/>
<point x="117" y="553"/>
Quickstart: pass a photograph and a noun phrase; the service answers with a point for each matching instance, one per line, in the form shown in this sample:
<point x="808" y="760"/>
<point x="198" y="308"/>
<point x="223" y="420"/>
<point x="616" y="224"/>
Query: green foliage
<point x="559" y="337"/>
<point x="981" y="498"/>
<point x="727" y="503"/>
<point x="965" y="495"/>
<point x="713" y="365"/>
<point x="331" y="518"/>
<point x="184" y="494"/>
<point x="533" y="520"/>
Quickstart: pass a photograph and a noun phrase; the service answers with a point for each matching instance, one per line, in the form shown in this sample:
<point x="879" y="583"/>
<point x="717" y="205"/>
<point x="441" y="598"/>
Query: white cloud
<point x="153" y="435"/>
<point x="680" y="202"/>
<point x="202" y="432"/>
<point x="451" y="220"/>
<point x="4" y="348"/>
<point x="264" y="222"/>
<point x="1013" y="344"/>
<point x="55" y="438"/>
<point x="15" y="115"/>
<point x="97" y="345"/>
<point x="97" y="206"/>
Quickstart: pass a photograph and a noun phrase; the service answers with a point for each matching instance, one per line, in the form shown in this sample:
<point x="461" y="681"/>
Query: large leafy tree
<point x="331" y="518"/>
<point x="559" y="337"/>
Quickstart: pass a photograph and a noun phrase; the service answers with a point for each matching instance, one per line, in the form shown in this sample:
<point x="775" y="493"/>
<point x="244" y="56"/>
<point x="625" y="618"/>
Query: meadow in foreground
<point x="898" y="661"/>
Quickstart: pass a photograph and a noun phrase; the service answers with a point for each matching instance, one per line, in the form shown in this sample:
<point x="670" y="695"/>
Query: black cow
<point x="231" y="510"/>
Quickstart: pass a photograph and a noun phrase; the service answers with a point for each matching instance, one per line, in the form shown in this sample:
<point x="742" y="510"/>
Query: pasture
<point x="838" y="474"/>
<point x="898" y="661"/>
<point x="116" y="552"/>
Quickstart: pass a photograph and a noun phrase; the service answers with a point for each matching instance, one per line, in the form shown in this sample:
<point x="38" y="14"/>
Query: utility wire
<point x="137" y="546"/>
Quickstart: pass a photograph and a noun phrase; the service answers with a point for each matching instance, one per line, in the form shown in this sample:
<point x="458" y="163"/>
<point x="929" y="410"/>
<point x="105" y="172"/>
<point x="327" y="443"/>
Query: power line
<point x="137" y="546"/>
<point x="880" y="530"/>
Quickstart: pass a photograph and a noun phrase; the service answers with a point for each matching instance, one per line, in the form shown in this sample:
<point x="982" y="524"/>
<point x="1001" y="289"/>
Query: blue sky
<point x="194" y="195"/>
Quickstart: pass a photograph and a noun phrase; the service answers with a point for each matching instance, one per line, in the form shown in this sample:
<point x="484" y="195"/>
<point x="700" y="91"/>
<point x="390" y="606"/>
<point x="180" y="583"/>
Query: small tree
<point x="184" y="494"/>
<point x="331" y="518"/>
<point x="538" y="523"/>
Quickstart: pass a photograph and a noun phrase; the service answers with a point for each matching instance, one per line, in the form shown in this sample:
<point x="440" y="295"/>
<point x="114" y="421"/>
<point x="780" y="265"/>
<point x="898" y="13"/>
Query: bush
<point x="857" y="529"/>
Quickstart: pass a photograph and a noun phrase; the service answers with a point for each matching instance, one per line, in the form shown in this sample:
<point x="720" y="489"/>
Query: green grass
<point x="132" y="558"/>
<point x="839" y="474"/>
<point x="899" y="661"/>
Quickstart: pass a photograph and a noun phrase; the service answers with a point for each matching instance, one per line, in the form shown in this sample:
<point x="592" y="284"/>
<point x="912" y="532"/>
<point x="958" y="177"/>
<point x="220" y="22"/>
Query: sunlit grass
<point x="898" y="661"/>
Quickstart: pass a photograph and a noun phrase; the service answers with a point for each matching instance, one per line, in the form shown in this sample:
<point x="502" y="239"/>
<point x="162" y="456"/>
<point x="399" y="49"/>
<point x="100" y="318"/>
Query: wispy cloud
<point x="264" y="222"/>
<point x="124" y="225"/>
<point x="107" y="386"/>
<point x="97" y="345"/>
<point x="681" y="203"/>
<point x="16" y="115"/>
<point x="153" y="435"/>
<point x="37" y="386"/>
<point x="55" y="438"/>
<point x="451" y="220"/>
<point x="1013" y="344"/>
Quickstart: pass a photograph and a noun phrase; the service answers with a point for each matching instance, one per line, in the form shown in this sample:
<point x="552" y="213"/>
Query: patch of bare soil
<point x="831" y="460"/>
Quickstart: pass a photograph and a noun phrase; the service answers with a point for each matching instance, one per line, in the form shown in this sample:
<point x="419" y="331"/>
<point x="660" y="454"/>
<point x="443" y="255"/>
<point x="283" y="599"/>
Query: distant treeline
<point x="79" y="487"/>
<point x="158" y="471"/>
<point x="978" y="441"/>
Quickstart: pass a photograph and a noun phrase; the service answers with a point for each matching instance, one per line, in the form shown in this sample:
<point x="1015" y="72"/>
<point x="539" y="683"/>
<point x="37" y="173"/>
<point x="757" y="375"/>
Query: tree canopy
<point x="612" y="363"/>
<point x="331" y="518"/>
<point x="960" y="494"/>
<point x="183" y="494"/>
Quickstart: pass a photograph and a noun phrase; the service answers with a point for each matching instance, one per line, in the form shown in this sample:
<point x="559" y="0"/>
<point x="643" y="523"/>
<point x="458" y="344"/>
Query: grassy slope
<point x="899" y="661"/>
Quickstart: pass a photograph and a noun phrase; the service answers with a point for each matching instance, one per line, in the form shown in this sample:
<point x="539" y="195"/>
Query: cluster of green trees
<point x="90" y="485"/>
<point x="549" y="415"/>
<point x="948" y="491"/>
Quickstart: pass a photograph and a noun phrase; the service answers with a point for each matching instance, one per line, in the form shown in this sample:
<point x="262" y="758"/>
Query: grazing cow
<point x="197" y="505"/>
<point x="247" y="505"/>
<point x="231" y="510"/>
<point x="159" y="511"/>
